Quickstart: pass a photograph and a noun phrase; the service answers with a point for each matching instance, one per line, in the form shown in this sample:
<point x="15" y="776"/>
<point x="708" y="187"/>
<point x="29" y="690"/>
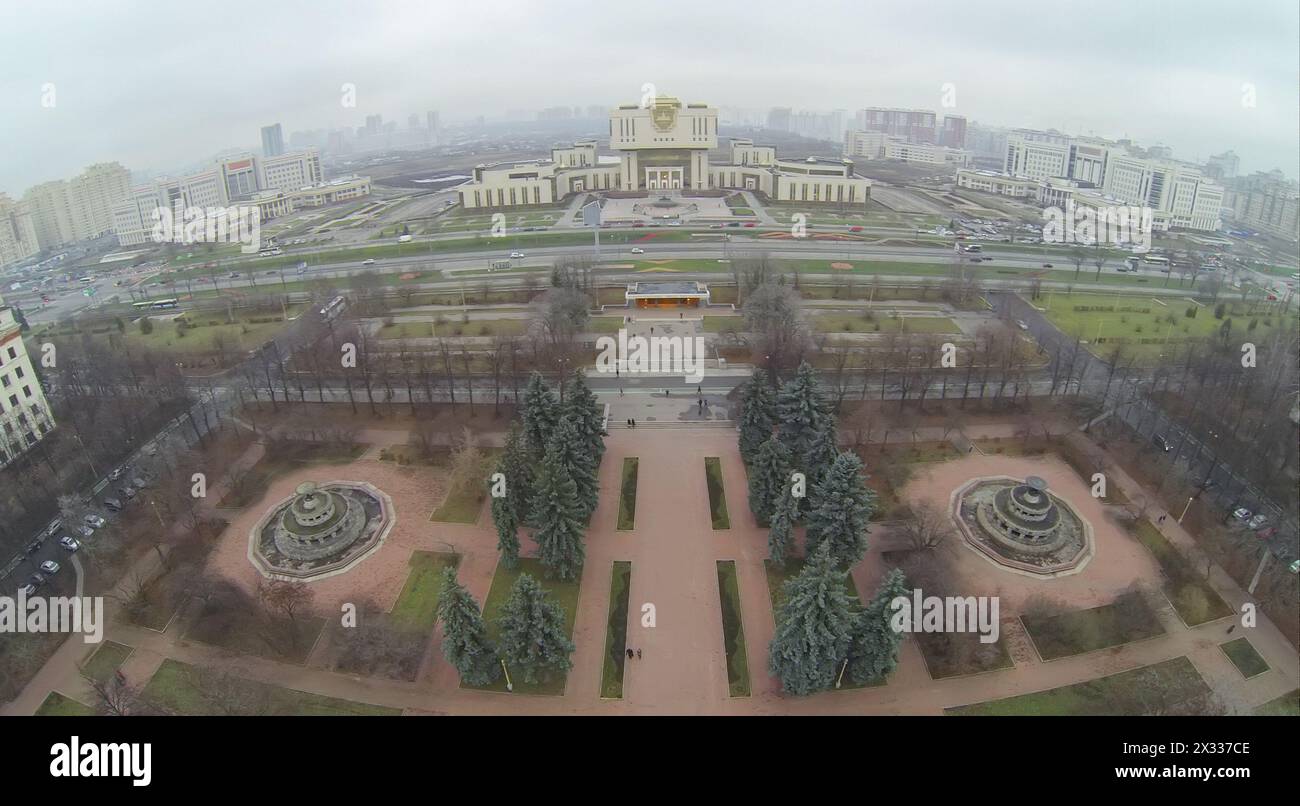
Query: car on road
<point x="749" y="223"/>
<point x="1257" y="522"/>
<point x="516" y="255"/>
<point x="636" y="250"/>
<point x="855" y="228"/>
<point x="69" y="543"/>
<point x="50" y="567"/>
<point x="1047" y="265"/>
<point x="368" y="262"/>
<point x="1020" y="323"/>
<point x="1162" y="443"/>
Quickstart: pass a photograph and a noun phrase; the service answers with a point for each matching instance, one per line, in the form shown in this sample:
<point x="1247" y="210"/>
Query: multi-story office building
<point x="17" y="232"/>
<point x="993" y="182"/>
<point x="291" y="171"/>
<point x="913" y="125"/>
<point x="25" y="416"/>
<point x="1178" y="194"/>
<point x="272" y="141"/>
<point x="1036" y="158"/>
<point x="663" y="147"/>
<point x="878" y="145"/>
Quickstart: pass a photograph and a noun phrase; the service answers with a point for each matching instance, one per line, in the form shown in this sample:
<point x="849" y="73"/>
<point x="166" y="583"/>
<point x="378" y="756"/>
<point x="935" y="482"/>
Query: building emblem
<point x="664" y="114"/>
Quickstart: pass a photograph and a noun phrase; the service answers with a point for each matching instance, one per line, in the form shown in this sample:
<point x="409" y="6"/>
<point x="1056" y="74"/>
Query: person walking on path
<point x="629" y="653"/>
<point x="638" y="654"/>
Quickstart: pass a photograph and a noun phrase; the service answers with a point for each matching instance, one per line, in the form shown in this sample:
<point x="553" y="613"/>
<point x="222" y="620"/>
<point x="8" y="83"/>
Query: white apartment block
<point x="663" y="146"/>
<point x="17" y="232"/>
<point x="925" y="153"/>
<point x="24" y="413"/>
<point x="1179" y="195"/>
<point x="51" y="211"/>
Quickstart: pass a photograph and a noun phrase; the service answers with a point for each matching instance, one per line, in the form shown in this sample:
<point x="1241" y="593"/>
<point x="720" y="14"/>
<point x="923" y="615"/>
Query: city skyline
<point x="1198" y="101"/>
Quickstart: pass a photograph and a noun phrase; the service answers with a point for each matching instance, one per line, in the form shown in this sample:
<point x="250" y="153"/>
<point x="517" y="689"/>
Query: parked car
<point x="1257" y="522"/>
<point x="28" y="589"/>
<point x="69" y="543"/>
<point x="35" y="545"/>
<point x="94" y="521"/>
<point x="112" y="505"/>
<point x="37" y="579"/>
<point x="54" y="526"/>
<point x="1162" y="443"/>
<point x="139" y="483"/>
<point x="127" y="492"/>
<point x="85" y="531"/>
<point x="117" y="473"/>
<point x="50" y="567"/>
<point x="1241" y="514"/>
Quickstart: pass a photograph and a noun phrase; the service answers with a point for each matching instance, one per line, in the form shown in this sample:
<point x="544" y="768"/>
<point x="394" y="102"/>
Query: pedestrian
<point x="681" y="316"/>
<point x="620" y="391"/>
<point x="1230" y="629"/>
<point x="629" y="653"/>
<point x="638" y="654"/>
<point x="667" y="393"/>
<point x="634" y="422"/>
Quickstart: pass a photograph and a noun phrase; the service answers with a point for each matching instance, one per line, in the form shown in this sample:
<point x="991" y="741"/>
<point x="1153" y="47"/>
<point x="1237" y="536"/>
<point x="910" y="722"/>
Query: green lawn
<point x="717" y="495"/>
<point x="733" y="631"/>
<point x="1245" y="657"/>
<point x="565" y="593"/>
<point x="1176" y="679"/>
<point x="1193" y="598"/>
<point x="417" y="604"/>
<point x="1126" y="619"/>
<point x="463" y="505"/>
<point x="474" y="327"/>
<point x="611" y="673"/>
<point x="1286" y="705"/>
<point x="58" y="705"/>
<point x="105" y="661"/>
<point x="1137" y="319"/>
<point x="627" y="495"/>
<point x="173" y="688"/>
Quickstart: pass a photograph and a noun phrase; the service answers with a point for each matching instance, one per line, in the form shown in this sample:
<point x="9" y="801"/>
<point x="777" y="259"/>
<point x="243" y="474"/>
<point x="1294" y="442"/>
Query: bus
<point x="156" y="304"/>
<point x="1157" y="260"/>
<point x="270" y="251"/>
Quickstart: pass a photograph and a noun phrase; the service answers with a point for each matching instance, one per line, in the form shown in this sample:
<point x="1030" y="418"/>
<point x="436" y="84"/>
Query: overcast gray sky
<point x="156" y="85"/>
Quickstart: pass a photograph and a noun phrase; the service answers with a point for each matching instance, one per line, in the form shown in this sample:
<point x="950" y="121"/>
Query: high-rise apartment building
<point x="952" y="131"/>
<point x="913" y="125"/>
<point x="80" y="208"/>
<point x="272" y="141"/>
<point x="17" y="232"/>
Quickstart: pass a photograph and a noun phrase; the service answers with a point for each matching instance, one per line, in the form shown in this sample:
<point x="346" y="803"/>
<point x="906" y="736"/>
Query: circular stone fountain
<point x="322" y="530"/>
<point x="1022" y="527"/>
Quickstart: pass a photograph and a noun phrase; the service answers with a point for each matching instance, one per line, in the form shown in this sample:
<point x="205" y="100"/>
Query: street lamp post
<point x="1186" y="507"/>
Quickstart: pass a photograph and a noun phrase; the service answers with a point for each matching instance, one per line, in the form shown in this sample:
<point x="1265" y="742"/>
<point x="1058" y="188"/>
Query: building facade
<point x="272" y="140"/>
<point x="662" y="147"/>
<point x="17" y="232"/>
<point x="25" y="416"/>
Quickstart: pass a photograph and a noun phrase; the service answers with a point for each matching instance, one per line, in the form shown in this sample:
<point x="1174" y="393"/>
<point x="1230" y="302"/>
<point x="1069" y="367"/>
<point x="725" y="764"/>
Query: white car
<point x="368" y="262"/>
<point x="636" y="250"/>
<point x="69" y="543"/>
<point x="1257" y="522"/>
<point x="95" y="521"/>
<point x="1241" y="514"/>
<point x="50" y="567"/>
<point x="1020" y="323"/>
<point x="516" y="255"/>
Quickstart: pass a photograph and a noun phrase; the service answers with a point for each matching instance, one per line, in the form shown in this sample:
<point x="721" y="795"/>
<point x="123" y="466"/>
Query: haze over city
<point x="162" y="87"/>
